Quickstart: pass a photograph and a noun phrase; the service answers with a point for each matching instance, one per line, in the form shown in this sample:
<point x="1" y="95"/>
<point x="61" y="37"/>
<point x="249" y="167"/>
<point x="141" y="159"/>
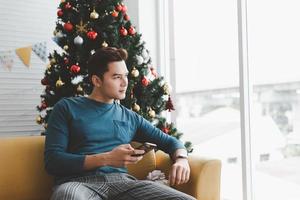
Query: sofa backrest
<point x="22" y="172"/>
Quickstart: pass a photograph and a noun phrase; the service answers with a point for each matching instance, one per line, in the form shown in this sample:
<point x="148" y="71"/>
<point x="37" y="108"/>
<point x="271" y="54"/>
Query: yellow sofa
<point x="23" y="177"/>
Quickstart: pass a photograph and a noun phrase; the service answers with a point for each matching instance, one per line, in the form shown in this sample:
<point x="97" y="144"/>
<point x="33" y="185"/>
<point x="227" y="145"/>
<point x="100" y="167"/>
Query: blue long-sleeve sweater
<point x="80" y="126"/>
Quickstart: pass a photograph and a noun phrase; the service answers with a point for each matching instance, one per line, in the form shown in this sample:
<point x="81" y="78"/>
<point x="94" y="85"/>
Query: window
<point x="208" y="98"/>
<point x="207" y="84"/>
<point x="274" y="46"/>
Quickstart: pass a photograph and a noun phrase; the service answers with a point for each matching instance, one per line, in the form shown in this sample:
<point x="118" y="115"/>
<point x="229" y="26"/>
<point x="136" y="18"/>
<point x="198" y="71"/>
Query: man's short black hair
<point x="98" y="62"/>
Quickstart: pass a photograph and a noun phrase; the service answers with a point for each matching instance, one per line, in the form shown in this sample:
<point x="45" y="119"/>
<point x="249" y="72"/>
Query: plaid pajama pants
<point x="115" y="186"/>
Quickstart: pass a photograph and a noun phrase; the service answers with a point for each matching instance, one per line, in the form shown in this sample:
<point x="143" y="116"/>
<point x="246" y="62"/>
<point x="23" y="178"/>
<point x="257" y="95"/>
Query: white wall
<point x="23" y="23"/>
<point x="144" y="16"/>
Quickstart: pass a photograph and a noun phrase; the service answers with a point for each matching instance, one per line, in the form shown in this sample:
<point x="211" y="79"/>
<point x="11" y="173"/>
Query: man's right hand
<point x="118" y="157"/>
<point x="123" y="155"/>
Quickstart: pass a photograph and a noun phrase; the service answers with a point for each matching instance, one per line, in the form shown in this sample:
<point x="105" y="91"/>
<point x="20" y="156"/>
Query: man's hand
<point x="180" y="172"/>
<point x="123" y="155"/>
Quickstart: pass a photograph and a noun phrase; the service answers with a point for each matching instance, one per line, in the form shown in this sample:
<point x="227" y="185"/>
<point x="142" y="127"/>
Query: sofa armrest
<point x="204" y="183"/>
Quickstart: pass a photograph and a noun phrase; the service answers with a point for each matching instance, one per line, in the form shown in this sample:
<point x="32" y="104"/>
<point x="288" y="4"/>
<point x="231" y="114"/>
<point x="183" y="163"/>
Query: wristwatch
<point x="182" y="155"/>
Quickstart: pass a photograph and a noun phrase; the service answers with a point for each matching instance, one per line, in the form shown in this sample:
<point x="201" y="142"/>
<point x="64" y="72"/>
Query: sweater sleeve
<point x="58" y="161"/>
<point x="146" y="132"/>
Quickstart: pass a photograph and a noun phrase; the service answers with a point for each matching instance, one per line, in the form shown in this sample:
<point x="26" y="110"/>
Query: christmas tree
<point x="84" y="26"/>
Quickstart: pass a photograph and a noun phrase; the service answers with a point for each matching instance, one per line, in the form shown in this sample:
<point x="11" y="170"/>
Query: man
<point x="87" y="141"/>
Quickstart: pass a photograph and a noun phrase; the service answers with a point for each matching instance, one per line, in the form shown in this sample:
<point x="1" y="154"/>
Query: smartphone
<point x="147" y="146"/>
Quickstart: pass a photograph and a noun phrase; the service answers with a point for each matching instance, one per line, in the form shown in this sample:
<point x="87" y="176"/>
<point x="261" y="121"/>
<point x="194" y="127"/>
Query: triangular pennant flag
<point x="24" y="53"/>
<point x="40" y="49"/>
<point x="6" y="59"/>
<point x="55" y="39"/>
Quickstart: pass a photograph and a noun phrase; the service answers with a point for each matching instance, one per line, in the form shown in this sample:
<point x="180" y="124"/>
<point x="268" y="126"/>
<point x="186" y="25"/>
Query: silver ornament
<point x="78" y="40"/>
<point x="139" y="60"/>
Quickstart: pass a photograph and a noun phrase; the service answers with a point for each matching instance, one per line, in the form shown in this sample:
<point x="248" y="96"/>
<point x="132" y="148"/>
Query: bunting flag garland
<point x="55" y="39"/>
<point x="40" y="49"/>
<point x="24" y="53"/>
<point x="6" y="59"/>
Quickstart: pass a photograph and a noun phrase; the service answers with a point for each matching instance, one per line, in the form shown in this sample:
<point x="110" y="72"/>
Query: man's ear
<point x="96" y="80"/>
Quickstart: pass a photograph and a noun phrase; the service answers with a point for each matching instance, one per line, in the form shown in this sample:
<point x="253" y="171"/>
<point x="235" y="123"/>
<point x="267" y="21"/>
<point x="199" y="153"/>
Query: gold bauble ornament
<point x="104" y="44"/>
<point x="48" y="66"/>
<point x="166" y="89"/>
<point x="55" y="32"/>
<point x="79" y="89"/>
<point x="59" y="83"/>
<point x="52" y="61"/>
<point x="151" y="113"/>
<point x="136" y="107"/>
<point x="94" y="15"/>
<point x="66" y="47"/>
<point x="135" y="73"/>
<point x="38" y="119"/>
<point x="45" y="126"/>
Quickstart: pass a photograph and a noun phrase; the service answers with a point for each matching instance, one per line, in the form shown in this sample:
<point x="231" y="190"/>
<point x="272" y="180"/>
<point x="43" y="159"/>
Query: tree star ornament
<point x="81" y="28"/>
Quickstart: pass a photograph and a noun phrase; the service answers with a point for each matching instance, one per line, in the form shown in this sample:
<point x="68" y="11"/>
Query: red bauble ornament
<point x="165" y="130"/>
<point x="124" y="9"/>
<point x="119" y="7"/>
<point x="131" y="30"/>
<point x="48" y="88"/>
<point x="68" y="26"/>
<point x="123" y="31"/>
<point x="92" y="35"/>
<point x="60" y="13"/>
<point x="45" y="81"/>
<point x="145" y="81"/>
<point x="43" y="105"/>
<point x="153" y="72"/>
<point x="66" y="60"/>
<point x="126" y="17"/>
<point x="114" y="14"/>
<point x="68" y="6"/>
<point x="75" y="69"/>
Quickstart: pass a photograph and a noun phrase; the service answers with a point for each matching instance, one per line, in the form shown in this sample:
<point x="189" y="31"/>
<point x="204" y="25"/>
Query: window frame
<point x="168" y="69"/>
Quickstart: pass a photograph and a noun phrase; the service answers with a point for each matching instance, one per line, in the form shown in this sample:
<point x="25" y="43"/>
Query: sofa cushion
<point x="144" y="166"/>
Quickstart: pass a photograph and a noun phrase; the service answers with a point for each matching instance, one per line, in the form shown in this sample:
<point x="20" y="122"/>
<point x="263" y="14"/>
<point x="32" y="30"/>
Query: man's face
<point x="114" y="82"/>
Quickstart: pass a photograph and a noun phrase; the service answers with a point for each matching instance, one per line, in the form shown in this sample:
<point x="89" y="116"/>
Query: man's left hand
<point x="180" y="172"/>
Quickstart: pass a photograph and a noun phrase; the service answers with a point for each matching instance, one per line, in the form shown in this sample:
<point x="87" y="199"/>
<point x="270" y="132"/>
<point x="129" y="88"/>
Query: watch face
<point x="182" y="156"/>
